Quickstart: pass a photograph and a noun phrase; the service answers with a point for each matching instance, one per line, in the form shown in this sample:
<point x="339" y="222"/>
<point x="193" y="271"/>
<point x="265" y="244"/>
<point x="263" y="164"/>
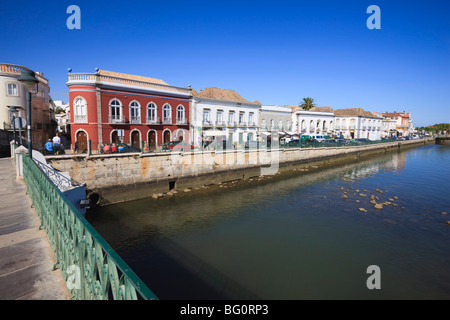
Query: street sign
<point x="20" y="123"/>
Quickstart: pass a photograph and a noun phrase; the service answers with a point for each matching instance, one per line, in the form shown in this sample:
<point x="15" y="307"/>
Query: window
<point x="180" y="115"/>
<point x="219" y="118"/>
<point x="280" y="125"/>
<point x="288" y="125"/>
<point x="206" y="117"/>
<point x="115" y="111"/>
<point x="79" y="107"/>
<point x="303" y="127"/>
<point x="135" y="112"/>
<point x="272" y="124"/>
<point x="241" y="118"/>
<point x="231" y="118"/>
<point x="251" y="119"/>
<point x="263" y="124"/>
<point x="151" y="113"/>
<point x="167" y="114"/>
<point x="13" y="89"/>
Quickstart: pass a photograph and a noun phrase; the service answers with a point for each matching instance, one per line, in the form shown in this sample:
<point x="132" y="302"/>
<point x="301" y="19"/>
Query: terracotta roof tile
<point x="222" y="94"/>
<point x="131" y="77"/>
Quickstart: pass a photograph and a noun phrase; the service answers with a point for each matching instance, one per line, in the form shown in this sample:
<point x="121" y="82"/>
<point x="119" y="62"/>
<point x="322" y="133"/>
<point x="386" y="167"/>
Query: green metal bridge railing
<point x="102" y="274"/>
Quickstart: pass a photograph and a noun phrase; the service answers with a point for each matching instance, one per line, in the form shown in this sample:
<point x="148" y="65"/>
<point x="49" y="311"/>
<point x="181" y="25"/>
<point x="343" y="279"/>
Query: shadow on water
<point x="181" y="245"/>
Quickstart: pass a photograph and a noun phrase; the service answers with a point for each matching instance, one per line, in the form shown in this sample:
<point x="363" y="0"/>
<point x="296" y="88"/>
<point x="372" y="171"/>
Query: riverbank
<point x="118" y="178"/>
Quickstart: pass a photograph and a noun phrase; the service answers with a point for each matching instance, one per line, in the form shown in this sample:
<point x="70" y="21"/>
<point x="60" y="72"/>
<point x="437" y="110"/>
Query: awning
<point x="266" y="133"/>
<point x="209" y="133"/>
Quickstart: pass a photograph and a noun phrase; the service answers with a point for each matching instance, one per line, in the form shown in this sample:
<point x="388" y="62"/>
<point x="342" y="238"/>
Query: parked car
<point x="319" y="138"/>
<point x="361" y="140"/>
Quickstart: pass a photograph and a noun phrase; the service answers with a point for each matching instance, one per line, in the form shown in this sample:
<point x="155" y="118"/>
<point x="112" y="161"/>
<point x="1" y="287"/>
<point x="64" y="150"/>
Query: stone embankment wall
<point x="122" y="177"/>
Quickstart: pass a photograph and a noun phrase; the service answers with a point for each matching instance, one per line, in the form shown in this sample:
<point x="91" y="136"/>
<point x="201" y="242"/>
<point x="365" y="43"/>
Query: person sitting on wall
<point x="114" y="148"/>
<point x="106" y="148"/>
<point x="49" y="146"/>
<point x="121" y="149"/>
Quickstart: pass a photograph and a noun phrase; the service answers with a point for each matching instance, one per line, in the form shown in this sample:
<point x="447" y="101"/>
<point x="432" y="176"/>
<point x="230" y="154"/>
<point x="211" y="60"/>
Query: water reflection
<point x="293" y="237"/>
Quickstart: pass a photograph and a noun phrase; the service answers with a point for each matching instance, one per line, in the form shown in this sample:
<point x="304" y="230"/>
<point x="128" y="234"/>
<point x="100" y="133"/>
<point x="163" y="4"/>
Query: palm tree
<point x="307" y="104"/>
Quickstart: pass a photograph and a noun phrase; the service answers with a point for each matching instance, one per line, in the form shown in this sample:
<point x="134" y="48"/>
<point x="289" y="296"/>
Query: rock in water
<point x="344" y="196"/>
<point x="362" y="210"/>
<point x="378" y="206"/>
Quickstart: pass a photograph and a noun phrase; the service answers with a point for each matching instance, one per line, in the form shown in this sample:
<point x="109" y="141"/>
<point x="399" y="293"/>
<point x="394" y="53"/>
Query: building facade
<point x="403" y="122"/>
<point x="13" y="103"/>
<point x="110" y="107"/>
<point x="224" y="115"/>
<point x="317" y="121"/>
<point x="356" y="123"/>
<point x="275" y="118"/>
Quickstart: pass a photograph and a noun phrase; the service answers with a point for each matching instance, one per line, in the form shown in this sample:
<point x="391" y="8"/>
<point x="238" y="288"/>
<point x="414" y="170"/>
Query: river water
<point x="295" y="237"/>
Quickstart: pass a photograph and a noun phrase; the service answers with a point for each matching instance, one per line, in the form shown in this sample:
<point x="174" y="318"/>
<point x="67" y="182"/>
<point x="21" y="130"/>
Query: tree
<point x="307" y="104"/>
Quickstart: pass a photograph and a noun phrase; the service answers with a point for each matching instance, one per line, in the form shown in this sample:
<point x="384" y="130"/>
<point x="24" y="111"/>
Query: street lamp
<point x="29" y="81"/>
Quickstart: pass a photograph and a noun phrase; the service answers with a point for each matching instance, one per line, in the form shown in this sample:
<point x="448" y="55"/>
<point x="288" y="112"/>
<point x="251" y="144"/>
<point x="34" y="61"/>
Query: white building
<point x="275" y="118"/>
<point x="356" y="123"/>
<point x="224" y="115"/>
<point x="317" y="121"/>
<point x="13" y="94"/>
<point x="61" y="104"/>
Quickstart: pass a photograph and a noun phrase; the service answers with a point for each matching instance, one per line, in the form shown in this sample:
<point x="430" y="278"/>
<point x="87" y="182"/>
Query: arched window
<point x="79" y="106"/>
<point x="135" y="112"/>
<point x="303" y="127"/>
<point x="180" y="115"/>
<point x="272" y="124"/>
<point x="151" y="113"/>
<point x="324" y="127"/>
<point x="115" y="111"/>
<point x="167" y="114"/>
<point x="288" y="125"/>
<point x="311" y="126"/>
<point x="263" y="124"/>
<point x="280" y="125"/>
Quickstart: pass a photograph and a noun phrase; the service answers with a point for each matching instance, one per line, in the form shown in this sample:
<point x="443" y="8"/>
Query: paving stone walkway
<point x="26" y="257"/>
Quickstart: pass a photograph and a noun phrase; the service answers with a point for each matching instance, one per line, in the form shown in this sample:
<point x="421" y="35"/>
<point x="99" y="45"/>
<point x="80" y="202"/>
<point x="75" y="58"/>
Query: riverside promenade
<point x="26" y="257"/>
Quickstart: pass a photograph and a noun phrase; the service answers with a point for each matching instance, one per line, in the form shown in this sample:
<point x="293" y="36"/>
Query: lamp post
<point x="13" y="111"/>
<point x="29" y="81"/>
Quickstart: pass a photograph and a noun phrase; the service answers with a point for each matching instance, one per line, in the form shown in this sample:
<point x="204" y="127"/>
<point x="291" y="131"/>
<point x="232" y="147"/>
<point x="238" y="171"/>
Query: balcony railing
<point x="251" y="124"/>
<point x="220" y="124"/>
<point x="153" y="121"/>
<point x="182" y="121"/>
<point x="207" y="123"/>
<point x="135" y="120"/>
<point x="7" y="68"/>
<point x="167" y="120"/>
<point x="232" y="124"/>
<point x="80" y="118"/>
<point x="97" y="77"/>
<point x="116" y="119"/>
<point x="242" y="124"/>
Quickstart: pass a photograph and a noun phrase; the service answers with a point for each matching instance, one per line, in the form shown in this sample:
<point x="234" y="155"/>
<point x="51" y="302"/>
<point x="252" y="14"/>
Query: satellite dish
<point x="20" y="123"/>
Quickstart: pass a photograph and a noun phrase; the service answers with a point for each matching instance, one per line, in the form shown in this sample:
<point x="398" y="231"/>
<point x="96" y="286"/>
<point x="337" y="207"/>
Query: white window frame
<point x="80" y="110"/>
<point x="136" y="107"/>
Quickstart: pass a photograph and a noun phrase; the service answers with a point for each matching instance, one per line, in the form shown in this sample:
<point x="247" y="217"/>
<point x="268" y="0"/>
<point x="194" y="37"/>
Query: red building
<point x="109" y="107"/>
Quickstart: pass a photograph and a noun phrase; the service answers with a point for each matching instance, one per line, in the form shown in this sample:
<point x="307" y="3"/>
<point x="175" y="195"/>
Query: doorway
<point x="81" y="142"/>
<point x="152" y="140"/>
<point x="166" y="138"/>
<point x="135" y="139"/>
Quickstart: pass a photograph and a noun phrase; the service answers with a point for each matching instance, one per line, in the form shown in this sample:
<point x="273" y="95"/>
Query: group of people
<point x="113" y="148"/>
<point x="54" y="146"/>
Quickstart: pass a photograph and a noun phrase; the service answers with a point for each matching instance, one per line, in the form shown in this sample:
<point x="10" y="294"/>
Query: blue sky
<point x="277" y="52"/>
